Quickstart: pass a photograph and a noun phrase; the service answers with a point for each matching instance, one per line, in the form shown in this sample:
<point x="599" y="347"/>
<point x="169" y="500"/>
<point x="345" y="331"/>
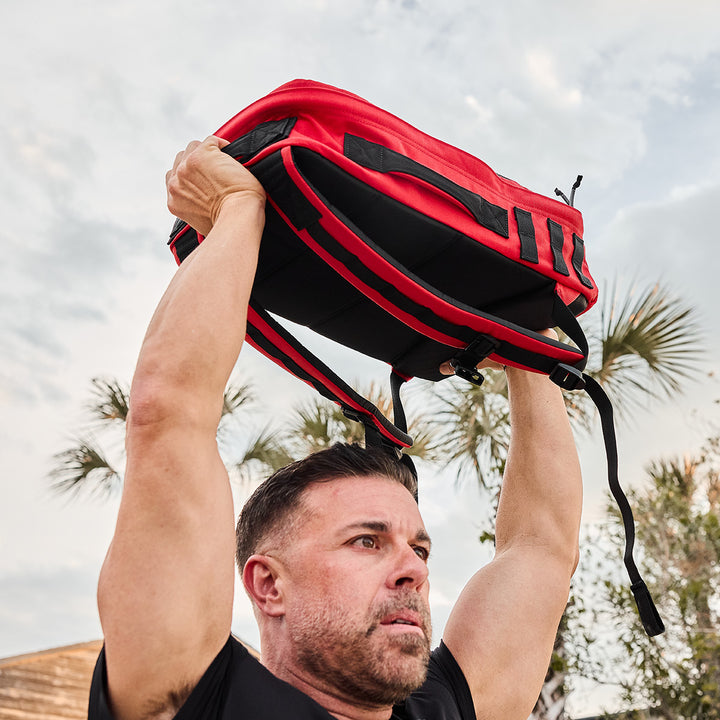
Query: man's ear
<point x="263" y="584"/>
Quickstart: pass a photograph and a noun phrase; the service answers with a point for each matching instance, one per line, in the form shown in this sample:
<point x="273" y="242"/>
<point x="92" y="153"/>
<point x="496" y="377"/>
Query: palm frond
<point x="419" y="425"/>
<point x="110" y="400"/>
<point x="235" y="397"/>
<point x="319" y="423"/>
<point x="473" y="428"/>
<point x="649" y="342"/>
<point x="265" y="453"/>
<point x="84" y="467"/>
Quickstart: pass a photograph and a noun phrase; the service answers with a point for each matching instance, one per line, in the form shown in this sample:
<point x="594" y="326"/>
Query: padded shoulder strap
<point x="273" y="341"/>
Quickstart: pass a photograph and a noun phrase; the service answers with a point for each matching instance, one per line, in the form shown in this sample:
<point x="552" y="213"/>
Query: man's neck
<point x="328" y="697"/>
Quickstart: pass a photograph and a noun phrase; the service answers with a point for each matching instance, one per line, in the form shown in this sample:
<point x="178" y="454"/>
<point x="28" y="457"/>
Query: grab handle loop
<point x="567" y="377"/>
<point x="385" y="160"/>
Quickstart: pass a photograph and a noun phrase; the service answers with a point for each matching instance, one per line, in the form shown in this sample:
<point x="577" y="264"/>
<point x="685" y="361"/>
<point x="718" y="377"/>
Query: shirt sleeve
<point x="99" y="707"/>
<point x="203" y="703"/>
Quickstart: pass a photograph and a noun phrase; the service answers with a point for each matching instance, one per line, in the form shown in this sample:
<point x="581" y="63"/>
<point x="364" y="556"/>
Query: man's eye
<point x="422" y="552"/>
<point x="366" y="541"/>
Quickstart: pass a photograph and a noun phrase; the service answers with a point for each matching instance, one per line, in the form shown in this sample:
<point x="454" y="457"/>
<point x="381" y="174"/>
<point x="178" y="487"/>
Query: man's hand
<point x="202" y="179"/>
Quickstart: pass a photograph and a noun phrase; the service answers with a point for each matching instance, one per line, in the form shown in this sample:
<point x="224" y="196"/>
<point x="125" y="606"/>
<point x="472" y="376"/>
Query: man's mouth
<point x="406" y="618"/>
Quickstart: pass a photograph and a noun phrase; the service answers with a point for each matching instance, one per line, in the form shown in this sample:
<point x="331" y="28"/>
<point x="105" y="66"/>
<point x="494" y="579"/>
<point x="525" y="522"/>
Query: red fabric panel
<point x="324" y="114"/>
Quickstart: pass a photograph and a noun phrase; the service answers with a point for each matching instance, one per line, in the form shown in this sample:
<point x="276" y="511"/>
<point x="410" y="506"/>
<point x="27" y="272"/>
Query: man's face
<point x="356" y="588"/>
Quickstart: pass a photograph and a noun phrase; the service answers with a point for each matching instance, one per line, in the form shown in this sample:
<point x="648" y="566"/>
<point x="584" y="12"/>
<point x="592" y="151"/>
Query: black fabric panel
<point x="577" y="260"/>
<point x="556" y="244"/>
<point x="368" y="328"/>
<point x="247" y="146"/>
<point x="335" y="308"/>
<point x="277" y="183"/>
<point x="526" y="231"/>
<point x="186" y="244"/>
<point x="381" y="159"/>
<point x="287" y="269"/>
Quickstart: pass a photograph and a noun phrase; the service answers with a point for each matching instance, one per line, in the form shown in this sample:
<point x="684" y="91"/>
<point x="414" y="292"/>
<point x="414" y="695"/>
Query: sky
<point x="99" y="96"/>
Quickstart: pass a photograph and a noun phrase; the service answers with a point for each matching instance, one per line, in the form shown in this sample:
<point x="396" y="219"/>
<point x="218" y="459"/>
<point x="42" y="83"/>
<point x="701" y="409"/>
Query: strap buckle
<point x="465" y="362"/>
<point x="567" y="377"/>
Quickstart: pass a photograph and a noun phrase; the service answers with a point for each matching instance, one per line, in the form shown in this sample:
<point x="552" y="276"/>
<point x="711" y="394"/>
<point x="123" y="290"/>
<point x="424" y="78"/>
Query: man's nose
<point x="410" y="570"/>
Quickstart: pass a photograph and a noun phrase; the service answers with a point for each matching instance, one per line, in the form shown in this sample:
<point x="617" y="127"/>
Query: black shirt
<point x="236" y="685"/>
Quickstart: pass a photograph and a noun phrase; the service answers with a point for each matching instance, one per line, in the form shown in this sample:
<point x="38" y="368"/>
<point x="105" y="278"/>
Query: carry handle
<point x="382" y="159"/>
<point x="261" y="136"/>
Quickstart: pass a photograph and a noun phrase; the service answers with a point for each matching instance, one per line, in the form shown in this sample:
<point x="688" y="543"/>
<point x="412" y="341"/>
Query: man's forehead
<point x="363" y="499"/>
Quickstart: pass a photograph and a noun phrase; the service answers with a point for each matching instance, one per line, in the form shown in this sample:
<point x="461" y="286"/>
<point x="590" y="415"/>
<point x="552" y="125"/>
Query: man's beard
<point x="360" y="661"/>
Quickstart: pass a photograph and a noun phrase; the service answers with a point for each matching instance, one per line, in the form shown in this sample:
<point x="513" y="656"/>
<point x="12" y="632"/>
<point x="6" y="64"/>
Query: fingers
<point x="214" y="140"/>
<point x="184" y="153"/>
<point x="202" y="178"/>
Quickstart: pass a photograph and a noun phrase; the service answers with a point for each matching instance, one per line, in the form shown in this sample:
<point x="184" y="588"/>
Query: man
<point x="338" y="577"/>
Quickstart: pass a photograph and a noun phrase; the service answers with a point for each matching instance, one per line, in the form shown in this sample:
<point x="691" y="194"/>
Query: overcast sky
<point x="98" y="97"/>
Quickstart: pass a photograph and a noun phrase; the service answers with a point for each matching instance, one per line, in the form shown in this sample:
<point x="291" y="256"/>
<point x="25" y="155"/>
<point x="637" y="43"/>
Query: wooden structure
<point x="52" y="684"/>
<point x="48" y="685"/>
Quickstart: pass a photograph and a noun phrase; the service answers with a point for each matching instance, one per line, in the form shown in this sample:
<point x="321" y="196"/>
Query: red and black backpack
<point x="413" y="252"/>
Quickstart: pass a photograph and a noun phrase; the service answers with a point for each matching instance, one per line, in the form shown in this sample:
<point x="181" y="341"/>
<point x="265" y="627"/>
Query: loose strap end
<point x="651" y="620"/>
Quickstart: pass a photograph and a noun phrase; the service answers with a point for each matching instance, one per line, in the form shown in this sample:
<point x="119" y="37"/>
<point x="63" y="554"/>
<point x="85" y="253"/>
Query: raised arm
<point x="503" y="626"/>
<point x="166" y="589"/>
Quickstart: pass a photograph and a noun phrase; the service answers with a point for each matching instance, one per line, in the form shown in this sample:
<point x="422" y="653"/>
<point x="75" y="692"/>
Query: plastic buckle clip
<point x="465" y="362"/>
<point x="470" y="374"/>
<point x="567" y="377"/>
<point x="351" y="414"/>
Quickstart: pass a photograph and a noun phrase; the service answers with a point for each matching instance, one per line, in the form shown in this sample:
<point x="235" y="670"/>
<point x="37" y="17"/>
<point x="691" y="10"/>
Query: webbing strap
<point x="651" y="620"/>
<point x="396" y="382"/>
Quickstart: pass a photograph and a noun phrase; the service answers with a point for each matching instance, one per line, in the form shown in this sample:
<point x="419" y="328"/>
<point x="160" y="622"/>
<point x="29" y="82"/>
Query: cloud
<point x="672" y="240"/>
<point x="48" y="609"/>
<point x="100" y="97"/>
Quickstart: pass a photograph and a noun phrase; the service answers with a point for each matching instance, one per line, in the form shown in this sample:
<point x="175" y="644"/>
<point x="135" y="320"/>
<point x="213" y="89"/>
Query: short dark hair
<point x="274" y="501"/>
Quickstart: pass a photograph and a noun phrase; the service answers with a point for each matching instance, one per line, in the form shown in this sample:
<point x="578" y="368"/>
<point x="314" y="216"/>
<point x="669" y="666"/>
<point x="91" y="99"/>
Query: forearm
<point x="196" y="333"/>
<point x="541" y="498"/>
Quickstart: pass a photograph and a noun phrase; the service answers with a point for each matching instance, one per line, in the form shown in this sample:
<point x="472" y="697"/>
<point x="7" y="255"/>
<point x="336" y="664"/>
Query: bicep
<point x="502" y="629"/>
<point x="166" y="588"/>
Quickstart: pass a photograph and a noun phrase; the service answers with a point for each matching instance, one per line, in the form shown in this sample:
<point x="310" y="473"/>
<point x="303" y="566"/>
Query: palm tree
<point x="318" y="423"/>
<point x="644" y="345"/>
<point x="472" y="426"/>
<point x="94" y="461"/>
